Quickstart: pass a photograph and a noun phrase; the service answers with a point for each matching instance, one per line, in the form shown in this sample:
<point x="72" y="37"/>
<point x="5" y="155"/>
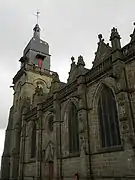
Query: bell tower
<point x="37" y="50"/>
<point x="33" y="78"/>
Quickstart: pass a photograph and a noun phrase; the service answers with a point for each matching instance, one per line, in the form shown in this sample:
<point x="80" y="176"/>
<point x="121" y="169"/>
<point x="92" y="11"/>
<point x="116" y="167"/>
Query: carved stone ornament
<point x="49" y="152"/>
<point x="73" y="70"/>
<point x="117" y="71"/>
<point x="82" y="145"/>
<point x="55" y="83"/>
<point x="55" y="77"/>
<point x="129" y="142"/>
<point x="39" y="90"/>
<point x="121" y="97"/>
<point x="114" y="34"/>
<point x="81" y="124"/>
<point x="103" y="51"/>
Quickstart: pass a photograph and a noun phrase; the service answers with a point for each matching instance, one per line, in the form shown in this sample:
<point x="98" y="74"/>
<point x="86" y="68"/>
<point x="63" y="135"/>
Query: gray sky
<point x="69" y="26"/>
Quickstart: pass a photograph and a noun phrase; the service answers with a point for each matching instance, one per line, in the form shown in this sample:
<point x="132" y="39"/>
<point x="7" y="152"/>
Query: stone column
<point x="39" y="143"/>
<point x="125" y="111"/>
<point x="22" y="149"/>
<point x="122" y="94"/>
<point x="56" y="110"/>
<point x="57" y="132"/>
<point x="16" y="147"/>
<point x="83" y="120"/>
<point x="83" y="123"/>
<point x="5" y="161"/>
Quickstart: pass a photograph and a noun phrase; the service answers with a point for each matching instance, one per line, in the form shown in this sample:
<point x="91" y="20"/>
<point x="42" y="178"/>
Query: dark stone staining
<point x="50" y="123"/>
<point x="33" y="141"/>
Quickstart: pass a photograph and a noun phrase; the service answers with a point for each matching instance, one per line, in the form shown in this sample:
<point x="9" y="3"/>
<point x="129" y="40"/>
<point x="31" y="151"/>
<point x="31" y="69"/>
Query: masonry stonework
<point x="47" y="139"/>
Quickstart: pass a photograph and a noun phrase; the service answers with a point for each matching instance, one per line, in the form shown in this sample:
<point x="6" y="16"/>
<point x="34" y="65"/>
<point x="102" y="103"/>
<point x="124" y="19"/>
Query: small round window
<point x="50" y="123"/>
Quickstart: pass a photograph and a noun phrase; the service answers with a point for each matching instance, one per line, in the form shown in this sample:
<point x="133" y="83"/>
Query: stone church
<point x="82" y="129"/>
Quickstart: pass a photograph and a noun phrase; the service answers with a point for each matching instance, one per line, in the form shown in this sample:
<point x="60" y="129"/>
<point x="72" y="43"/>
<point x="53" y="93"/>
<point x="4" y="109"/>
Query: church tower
<point x="37" y="51"/>
<point x="31" y="84"/>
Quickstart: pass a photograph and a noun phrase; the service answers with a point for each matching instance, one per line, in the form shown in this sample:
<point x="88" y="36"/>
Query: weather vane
<point x="37" y="15"/>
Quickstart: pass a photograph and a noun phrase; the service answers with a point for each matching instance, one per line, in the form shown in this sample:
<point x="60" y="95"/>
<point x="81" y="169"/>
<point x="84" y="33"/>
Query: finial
<point x="133" y="34"/>
<point x="37" y="15"/>
<point x="80" y="61"/>
<point x="113" y="30"/>
<point x="100" y="37"/>
<point x="37" y="28"/>
<point x="72" y="59"/>
<point x="114" y="34"/>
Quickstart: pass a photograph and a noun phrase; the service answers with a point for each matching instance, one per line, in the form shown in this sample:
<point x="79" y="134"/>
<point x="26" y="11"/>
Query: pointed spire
<point x="115" y="39"/>
<point x="80" y="61"/>
<point x="133" y="35"/>
<point x="36" y="31"/>
<point x="73" y="69"/>
<point x="73" y="60"/>
<point x="100" y="37"/>
<point x="73" y="65"/>
<point x="114" y="34"/>
<point x="37" y="28"/>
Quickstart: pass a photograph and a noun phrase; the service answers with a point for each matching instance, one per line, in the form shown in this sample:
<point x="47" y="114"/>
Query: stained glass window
<point x="73" y="129"/>
<point x="108" y="117"/>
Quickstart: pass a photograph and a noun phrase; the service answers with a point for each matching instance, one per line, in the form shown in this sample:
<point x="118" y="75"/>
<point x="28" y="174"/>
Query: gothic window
<point x="108" y="117"/>
<point x="33" y="141"/>
<point x="50" y="123"/>
<point x="73" y="129"/>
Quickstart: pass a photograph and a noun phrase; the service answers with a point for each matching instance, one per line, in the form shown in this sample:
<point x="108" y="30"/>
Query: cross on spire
<point x="37" y="15"/>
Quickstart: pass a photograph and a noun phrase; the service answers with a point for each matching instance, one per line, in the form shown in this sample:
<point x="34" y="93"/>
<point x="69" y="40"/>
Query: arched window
<point x="108" y="117"/>
<point x="33" y="141"/>
<point x="73" y="129"/>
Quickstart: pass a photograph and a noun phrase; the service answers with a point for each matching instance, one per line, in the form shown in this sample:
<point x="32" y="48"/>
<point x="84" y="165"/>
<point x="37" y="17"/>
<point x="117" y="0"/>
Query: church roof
<point x="38" y="45"/>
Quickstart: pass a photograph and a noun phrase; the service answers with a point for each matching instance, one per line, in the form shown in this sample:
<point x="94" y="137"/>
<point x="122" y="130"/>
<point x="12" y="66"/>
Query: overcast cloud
<point x="69" y="26"/>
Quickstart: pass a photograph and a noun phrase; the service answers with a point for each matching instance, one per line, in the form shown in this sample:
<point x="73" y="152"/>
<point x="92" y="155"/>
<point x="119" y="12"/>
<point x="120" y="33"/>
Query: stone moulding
<point x="99" y="69"/>
<point x="68" y="89"/>
<point x="128" y="51"/>
<point x="48" y="102"/>
<point x="32" y="113"/>
<point x="18" y="75"/>
<point x="32" y="68"/>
